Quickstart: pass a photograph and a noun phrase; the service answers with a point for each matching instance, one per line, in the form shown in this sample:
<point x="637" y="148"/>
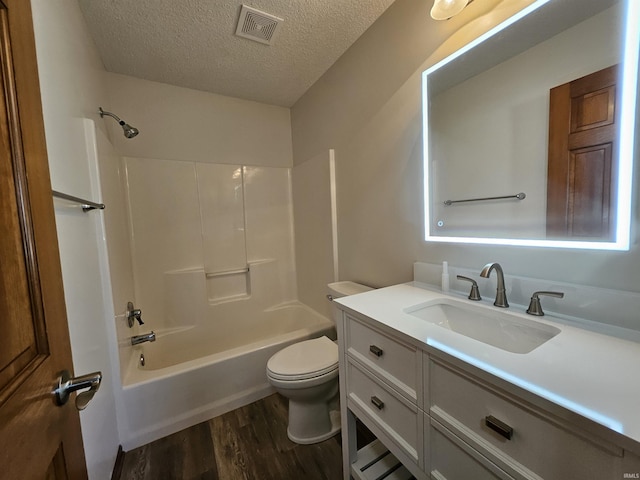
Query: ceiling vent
<point x="258" y="26"/>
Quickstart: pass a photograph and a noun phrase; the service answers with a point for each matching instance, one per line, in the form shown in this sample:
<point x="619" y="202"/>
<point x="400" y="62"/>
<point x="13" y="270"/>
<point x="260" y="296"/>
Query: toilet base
<point x="334" y="416"/>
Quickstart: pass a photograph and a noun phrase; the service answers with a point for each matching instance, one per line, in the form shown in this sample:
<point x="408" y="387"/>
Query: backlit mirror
<point x="539" y="112"/>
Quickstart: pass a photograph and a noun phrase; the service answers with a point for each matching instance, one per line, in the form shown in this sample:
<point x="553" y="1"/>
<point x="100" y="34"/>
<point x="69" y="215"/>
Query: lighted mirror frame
<point x="626" y="151"/>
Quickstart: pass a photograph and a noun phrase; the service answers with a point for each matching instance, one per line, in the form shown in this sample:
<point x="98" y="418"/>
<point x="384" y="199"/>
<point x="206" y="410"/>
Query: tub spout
<point x="147" y="337"/>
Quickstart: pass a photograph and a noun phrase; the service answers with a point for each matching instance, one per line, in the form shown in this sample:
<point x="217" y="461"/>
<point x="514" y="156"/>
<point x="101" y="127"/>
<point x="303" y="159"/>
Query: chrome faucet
<point x="133" y="314"/>
<point x="501" y="293"/>
<point x="147" y="337"/>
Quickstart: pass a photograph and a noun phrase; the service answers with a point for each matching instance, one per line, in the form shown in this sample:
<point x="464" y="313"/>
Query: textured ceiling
<point x="191" y="43"/>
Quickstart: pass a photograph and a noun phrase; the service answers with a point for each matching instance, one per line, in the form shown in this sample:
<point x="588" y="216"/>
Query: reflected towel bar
<point x="519" y="196"/>
<point x="86" y="205"/>
<point x="226" y="272"/>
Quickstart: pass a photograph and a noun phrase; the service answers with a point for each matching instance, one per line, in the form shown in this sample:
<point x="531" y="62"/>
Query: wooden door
<point x="582" y="145"/>
<point x="38" y="439"/>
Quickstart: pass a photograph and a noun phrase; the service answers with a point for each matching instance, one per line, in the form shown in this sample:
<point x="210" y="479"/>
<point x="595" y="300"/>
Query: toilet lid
<point x="302" y="360"/>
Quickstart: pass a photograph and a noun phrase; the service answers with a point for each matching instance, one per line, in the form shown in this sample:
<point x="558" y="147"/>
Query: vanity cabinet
<point x="441" y="421"/>
<point x="383" y="388"/>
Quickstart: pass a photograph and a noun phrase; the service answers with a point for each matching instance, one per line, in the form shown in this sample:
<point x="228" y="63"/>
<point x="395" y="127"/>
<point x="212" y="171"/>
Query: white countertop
<point x="594" y="375"/>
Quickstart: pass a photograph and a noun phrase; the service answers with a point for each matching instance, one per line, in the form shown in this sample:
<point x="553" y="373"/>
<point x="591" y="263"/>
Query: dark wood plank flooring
<point x="249" y="443"/>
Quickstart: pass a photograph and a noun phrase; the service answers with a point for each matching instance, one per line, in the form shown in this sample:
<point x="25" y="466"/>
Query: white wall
<point x="368" y="107"/>
<point x="313" y="231"/>
<point x="71" y="80"/>
<point x="182" y="124"/>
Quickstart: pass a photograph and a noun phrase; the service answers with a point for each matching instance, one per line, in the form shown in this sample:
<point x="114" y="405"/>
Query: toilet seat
<point x="304" y="360"/>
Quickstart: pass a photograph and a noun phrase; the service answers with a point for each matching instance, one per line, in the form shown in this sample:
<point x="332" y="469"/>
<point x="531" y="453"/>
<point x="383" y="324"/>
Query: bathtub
<point x="192" y="375"/>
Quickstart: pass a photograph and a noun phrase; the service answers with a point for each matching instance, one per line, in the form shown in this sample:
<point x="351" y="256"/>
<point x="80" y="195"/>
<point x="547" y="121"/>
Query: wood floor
<point x="249" y="443"/>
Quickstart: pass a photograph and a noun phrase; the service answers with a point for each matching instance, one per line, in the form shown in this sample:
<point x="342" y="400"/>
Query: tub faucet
<point x="146" y="337"/>
<point x="133" y="314"/>
<point x="501" y="293"/>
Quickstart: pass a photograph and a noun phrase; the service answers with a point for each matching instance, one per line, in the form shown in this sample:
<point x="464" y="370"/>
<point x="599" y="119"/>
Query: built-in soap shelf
<point x="225" y="273"/>
<point x="228" y="285"/>
<point x="375" y="461"/>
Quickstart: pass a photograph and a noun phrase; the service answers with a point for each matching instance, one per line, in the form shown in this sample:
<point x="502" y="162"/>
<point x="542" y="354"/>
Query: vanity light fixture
<point x="445" y="9"/>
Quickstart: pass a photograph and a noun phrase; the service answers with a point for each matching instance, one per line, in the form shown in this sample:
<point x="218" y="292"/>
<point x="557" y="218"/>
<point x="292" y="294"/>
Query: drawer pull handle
<point x="377" y="351"/>
<point x="379" y="404"/>
<point x="496" y="425"/>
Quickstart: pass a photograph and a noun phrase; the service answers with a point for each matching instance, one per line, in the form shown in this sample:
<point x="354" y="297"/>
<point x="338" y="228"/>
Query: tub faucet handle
<point x="133" y="314"/>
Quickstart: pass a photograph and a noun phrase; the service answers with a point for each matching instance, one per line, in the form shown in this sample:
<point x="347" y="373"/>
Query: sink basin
<point x="497" y="328"/>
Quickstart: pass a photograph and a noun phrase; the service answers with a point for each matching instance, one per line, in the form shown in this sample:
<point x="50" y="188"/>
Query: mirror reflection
<point x="533" y="114"/>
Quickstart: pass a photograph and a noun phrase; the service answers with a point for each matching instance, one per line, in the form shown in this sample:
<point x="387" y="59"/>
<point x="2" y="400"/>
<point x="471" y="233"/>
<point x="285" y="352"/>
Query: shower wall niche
<point x="206" y="234"/>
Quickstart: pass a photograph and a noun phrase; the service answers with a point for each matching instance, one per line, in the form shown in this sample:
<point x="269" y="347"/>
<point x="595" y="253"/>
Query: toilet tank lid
<point x="343" y="289"/>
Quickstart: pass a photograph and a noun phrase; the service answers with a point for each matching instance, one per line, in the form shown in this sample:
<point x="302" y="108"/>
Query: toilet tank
<point x="343" y="289"/>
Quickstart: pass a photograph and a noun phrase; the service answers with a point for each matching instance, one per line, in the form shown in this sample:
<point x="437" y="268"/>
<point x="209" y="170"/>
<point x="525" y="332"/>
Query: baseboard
<point x="117" y="467"/>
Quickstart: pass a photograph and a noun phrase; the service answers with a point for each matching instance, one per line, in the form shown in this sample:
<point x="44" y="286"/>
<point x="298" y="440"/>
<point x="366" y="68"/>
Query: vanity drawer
<point x="521" y="440"/>
<point x="399" y="418"/>
<point x="452" y="459"/>
<point x="395" y="362"/>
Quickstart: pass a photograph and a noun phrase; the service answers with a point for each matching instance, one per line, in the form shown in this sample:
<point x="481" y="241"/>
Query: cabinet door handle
<point x="498" y="426"/>
<point x="379" y="404"/>
<point x="377" y="351"/>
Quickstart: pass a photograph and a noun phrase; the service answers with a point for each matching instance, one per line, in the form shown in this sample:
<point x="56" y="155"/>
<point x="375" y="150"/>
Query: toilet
<point x="307" y="374"/>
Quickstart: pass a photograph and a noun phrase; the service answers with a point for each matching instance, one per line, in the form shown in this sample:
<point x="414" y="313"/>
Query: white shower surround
<point x="188" y="217"/>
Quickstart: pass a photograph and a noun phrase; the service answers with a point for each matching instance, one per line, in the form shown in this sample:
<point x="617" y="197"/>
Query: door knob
<point x="66" y="385"/>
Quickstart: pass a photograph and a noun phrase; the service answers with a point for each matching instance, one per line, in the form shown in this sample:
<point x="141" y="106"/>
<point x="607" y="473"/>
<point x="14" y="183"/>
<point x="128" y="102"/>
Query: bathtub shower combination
<point x="214" y="273"/>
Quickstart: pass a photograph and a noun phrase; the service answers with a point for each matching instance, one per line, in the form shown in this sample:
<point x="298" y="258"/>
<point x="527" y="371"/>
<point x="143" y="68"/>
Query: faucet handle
<point x="475" y="293"/>
<point x="133" y="314"/>
<point x="535" y="308"/>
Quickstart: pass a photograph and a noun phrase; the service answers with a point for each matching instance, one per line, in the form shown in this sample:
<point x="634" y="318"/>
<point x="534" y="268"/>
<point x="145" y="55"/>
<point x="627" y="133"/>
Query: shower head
<point x="129" y="131"/>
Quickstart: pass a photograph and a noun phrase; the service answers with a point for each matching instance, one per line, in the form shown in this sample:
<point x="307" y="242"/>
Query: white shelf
<point x="375" y="462"/>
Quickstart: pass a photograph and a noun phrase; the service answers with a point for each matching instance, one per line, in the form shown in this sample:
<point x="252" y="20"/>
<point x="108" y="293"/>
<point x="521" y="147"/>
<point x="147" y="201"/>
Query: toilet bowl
<point x="307" y="374"/>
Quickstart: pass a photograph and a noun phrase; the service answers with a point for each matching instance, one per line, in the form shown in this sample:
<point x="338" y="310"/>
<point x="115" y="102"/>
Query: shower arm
<point x="113" y="115"/>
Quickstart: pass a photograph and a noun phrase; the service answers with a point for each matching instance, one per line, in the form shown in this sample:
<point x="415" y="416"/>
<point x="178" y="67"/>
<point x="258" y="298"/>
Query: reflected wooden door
<point x="38" y="439"/>
<point x="582" y="145"/>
